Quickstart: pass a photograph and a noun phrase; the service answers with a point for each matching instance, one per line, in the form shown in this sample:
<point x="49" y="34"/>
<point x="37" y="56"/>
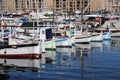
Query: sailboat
<point x="81" y="36"/>
<point x="97" y="37"/>
<point x="26" y="36"/>
<point x="29" y="51"/>
<point x="107" y="35"/>
<point x="23" y="52"/>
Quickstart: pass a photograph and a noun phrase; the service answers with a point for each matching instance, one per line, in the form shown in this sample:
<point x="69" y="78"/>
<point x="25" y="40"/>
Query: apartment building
<point x="2" y="5"/>
<point x="113" y="6"/>
<point x="97" y="5"/>
<point x="48" y="4"/>
<point x="70" y="5"/>
<point x="64" y="5"/>
<point x="20" y="5"/>
<point x="58" y="5"/>
<point x="109" y="5"/>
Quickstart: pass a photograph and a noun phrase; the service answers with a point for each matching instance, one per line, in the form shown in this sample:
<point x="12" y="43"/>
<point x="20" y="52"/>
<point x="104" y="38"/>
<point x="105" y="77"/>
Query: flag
<point x="99" y="20"/>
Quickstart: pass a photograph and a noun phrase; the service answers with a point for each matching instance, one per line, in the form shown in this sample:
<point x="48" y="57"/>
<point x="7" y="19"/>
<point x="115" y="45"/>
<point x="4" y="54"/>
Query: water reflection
<point x="83" y="48"/>
<point x="83" y="51"/>
<point x="83" y="61"/>
<point x="97" y="45"/>
<point x="115" y="41"/>
<point x="50" y="56"/>
<point x="4" y="76"/>
<point x="64" y="55"/>
<point x="115" y="44"/>
<point x="16" y="68"/>
<point x="21" y="63"/>
<point x="107" y="44"/>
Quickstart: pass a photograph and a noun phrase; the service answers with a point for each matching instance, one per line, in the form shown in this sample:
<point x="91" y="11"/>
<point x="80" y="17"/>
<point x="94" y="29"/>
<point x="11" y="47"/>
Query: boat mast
<point x="81" y="15"/>
<point x="81" y="10"/>
<point x="2" y="27"/>
<point x="53" y="17"/>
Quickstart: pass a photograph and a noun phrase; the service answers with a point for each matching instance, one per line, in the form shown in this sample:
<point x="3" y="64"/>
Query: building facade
<point x="20" y="5"/>
<point x="113" y="6"/>
<point x="70" y="5"/>
<point x="58" y="5"/>
<point x="2" y="5"/>
<point x="97" y="5"/>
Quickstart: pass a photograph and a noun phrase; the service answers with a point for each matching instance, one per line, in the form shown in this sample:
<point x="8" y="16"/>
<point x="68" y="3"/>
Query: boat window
<point x="6" y="30"/>
<point x="43" y="32"/>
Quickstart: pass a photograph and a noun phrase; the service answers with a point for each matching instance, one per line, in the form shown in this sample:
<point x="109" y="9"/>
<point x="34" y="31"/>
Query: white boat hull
<point x="106" y="36"/>
<point x="97" y="37"/>
<point x="64" y="42"/>
<point x="50" y="45"/>
<point x="115" y="33"/>
<point x="82" y="39"/>
<point x="27" y="52"/>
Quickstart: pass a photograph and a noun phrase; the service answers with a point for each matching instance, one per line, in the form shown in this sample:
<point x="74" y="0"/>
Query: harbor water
<point x="94" y="61"/>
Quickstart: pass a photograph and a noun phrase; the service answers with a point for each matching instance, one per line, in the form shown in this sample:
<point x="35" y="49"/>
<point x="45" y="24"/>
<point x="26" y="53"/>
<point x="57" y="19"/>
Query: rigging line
<point x="89" y="2"/>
